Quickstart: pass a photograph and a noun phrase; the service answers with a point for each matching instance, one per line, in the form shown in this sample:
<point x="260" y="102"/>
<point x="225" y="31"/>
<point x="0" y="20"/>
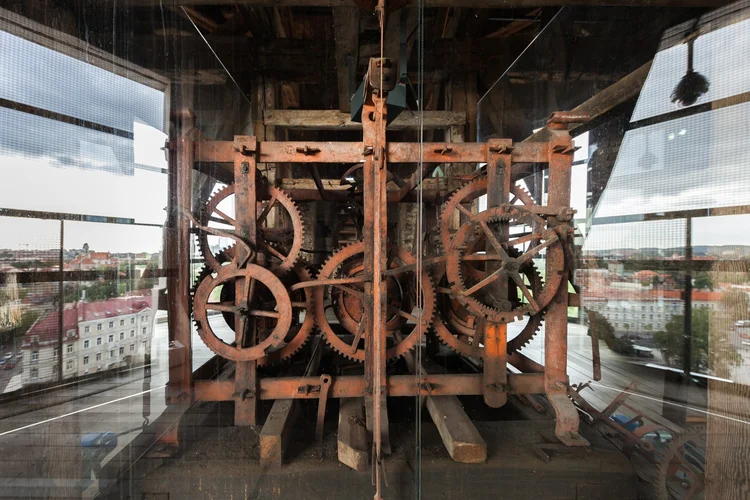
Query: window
<point x="650" y="316"/>
<point x="70" y="348"/>
<point x="85" y="360"/>
<point x="98" y="341"/>
<point x="122" y="335"/>
<point x="34" y="372"/>
<point x="132" y="320"/>
<point x="132" y="333"/>
<point x="132" y="347"/>
<point x="112" y="353"/>
<point x="111" y="338"/>
<point x="98" y="356"/>
<point x="34" y="355"/>
<point x="122" y="350"/>
<point x="144" y="330"/>
<point x="658" y="325"/>
<point x="69" y="365"/>
<point x="122" y="322"/>
<point x="99" y="326"/>
<point x="86" y="329"/>
<point x="85" y="344"/>
<point x="54" y="352"/>
<point x="111" y="324"/>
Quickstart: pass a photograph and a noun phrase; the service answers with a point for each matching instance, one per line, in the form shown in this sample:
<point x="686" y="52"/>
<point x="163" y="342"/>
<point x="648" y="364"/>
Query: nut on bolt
<point x="566" y="214"/>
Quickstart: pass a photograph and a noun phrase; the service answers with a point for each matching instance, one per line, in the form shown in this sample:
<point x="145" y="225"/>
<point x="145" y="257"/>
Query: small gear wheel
<point x="346" y="302"/>
<point x="283" y="243"/>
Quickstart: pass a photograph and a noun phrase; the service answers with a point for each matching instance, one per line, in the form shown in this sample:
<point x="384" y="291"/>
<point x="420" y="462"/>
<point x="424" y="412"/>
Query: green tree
<point x="703" y="281"/>
<point x="606" y="332"/>
<point x="671" y="343"/>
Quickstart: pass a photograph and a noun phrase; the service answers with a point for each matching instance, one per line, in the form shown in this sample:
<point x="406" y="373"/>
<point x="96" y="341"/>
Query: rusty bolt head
<point x="566" y="214"/>
<point x="245" y="167"/>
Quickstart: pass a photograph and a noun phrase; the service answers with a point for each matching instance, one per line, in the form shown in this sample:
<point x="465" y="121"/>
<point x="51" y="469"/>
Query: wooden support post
<point x="178" y="257"/>
<point x="353" y="450"/>
<point x="556" y="317"/>
<point x="460" y="436"/>
<point x="246" y="393"/>
<point x="275" y="433"/>
<point x="346" y="26"/>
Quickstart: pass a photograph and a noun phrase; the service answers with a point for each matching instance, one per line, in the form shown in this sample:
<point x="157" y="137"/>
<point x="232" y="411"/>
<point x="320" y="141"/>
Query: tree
<point x="671" y="343"/>
<point x="703" y="281"/>
<point x="606" y="332"/>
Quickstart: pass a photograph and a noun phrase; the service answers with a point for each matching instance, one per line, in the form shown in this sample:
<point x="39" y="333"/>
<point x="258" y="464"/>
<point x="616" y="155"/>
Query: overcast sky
<point x="48" y="165"/>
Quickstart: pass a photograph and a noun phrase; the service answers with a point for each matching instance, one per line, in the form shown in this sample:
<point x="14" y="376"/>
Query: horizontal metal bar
<point x="351" y="386"/>
<point x="354" y="152"/>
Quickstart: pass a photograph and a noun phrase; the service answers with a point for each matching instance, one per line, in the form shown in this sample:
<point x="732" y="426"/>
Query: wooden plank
<point x="472" y="4"/>
<point x="460" y="437"/>
<point x="346" y="29"/>
<point x="353" y="450"/>
<point x="331" y="119"/>
<point x="275" y="433"/>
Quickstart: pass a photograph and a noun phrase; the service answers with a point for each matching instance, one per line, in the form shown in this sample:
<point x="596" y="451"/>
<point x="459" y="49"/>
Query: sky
<point x="48" y="165"/>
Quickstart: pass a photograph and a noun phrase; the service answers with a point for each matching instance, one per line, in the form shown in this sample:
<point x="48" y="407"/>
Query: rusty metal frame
<point x="241" y="156"/>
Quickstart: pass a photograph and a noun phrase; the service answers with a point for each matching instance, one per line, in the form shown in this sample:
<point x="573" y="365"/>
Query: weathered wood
<point x="460" y="437"/>
<point x="346" y="26"/>
<point x="472" y="4"/>
<point x="331" y="119"/>
<point x="275" y="433"/>
<point x="352" y="436"/>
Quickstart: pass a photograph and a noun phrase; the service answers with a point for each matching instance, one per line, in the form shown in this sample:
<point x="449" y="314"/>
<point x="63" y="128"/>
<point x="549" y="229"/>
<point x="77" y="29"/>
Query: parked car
<point x="8" y="355"/>
<point x="19" y="355"/>
<point x="9" y="365"/>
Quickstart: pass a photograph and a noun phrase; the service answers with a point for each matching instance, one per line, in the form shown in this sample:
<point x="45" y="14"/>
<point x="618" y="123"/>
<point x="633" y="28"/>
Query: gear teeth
<point x="410" y="341"/>
<point x="450" y="206"/>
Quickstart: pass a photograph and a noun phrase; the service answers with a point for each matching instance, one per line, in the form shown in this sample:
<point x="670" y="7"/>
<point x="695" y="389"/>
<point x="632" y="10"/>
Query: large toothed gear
<point x="346" y="263"/>
<point x="467" y="194"/>
<point x="282" y="244"/>
<point x="457" y="328"/>
<point x="277" y="307"/>
<point x="303" y="311"/>
<point x="464" y="250"/>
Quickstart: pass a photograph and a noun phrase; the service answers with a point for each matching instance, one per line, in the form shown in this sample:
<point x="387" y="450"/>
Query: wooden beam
<point x="331" y="119"/>
<point x="460" y="437"/>
<point x="352" y="436"/>
<point x="469" y="4"/>
<point x="275" y="433"/>
<point x="346" y="29"/>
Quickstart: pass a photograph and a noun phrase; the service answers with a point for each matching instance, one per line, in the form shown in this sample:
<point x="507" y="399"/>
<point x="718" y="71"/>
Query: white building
<point x="97" y="336"/>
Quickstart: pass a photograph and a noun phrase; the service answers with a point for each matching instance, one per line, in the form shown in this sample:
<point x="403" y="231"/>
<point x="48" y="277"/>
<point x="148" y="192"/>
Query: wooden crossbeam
<point x="331" y="119"/>
<point x="469" y="4"/>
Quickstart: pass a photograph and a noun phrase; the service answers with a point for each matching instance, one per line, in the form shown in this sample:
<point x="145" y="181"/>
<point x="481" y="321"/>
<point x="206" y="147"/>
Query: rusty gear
<point x="254" y="276"/>
<point x="347" y="263"/>
<point x="462" y="251"/>
<point x="467" y="194"/>
<point x="283" y="245"/>
<point x="680" y="475"/>
<point x="456" y="328"/>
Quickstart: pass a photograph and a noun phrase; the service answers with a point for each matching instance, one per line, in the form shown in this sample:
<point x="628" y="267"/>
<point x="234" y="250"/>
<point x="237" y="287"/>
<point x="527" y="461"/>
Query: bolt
<point x="245" y="167"/>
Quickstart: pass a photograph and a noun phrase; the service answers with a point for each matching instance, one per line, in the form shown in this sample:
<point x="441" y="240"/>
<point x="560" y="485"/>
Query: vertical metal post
<point x="60" y="309"/>
<point x="245" y="406"/>
<point x="374" y="120"/>
<point x="556" y="320"/>
<point x="178" y="262"/>
<point x="496" y="334"/>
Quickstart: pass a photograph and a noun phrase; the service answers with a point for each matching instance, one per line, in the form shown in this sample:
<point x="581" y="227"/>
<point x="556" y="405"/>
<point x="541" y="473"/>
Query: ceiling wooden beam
<point x="331" y="119"/>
